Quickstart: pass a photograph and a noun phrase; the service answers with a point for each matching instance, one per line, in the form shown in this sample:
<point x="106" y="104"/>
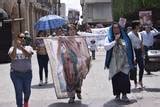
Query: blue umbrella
<point x="49" y="22"/>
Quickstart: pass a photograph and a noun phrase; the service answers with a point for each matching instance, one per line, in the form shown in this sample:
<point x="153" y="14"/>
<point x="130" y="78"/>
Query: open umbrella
<point x="49" y="22"/>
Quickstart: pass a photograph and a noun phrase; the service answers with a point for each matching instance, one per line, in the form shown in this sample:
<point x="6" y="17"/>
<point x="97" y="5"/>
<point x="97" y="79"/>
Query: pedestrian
<point x="138" y="50"/>
<point x="88" y="28"/>
<point x="148" y="39"/>
<point x="93" y="48"/>
<point x="119" y="60"/>
<point x="42" y="58"/>
<point x="28" y="38"/>
<point x="72" y="61"/>
<point x="21" y="70"/>
<point x="59" y="32"/>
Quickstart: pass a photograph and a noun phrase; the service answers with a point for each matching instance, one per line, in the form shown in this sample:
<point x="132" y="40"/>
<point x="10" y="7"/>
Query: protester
<point x="88" y="28"/>
<point x="148" y="39"/>
<point x="42" y="57"/>
<point x="93" y="48"/>
<point x="119" y="60"/>
<point x="21" y="70"/>
<point x="59" y="32"/>
<point x="138" y="50"/>
<point x="28" y="38"/>
<point x="73" y="63"/>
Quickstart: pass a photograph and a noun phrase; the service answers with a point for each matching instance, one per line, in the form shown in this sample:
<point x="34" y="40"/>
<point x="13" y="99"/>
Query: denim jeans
<point x="22" y="85"/>
<point x="93" y="54"/>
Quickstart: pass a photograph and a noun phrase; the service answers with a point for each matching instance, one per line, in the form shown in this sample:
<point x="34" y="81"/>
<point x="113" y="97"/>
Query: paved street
<point x="96" y="92"/>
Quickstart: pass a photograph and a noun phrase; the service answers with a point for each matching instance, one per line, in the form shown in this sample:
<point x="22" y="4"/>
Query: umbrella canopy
<point x="49" y="22"/>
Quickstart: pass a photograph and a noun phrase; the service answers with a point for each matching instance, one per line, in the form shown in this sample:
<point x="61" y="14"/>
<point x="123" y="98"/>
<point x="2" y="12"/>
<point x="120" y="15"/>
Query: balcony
<point x="44" y="3"/>
<point x="96" y="1"/>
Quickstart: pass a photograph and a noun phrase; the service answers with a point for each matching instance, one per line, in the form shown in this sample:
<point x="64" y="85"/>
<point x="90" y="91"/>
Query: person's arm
<point x="12" y="50"/>
<point x="108" y="45"/>
<point x="27" y="53"/>
<point x="12" y="53"/>
<point x="155" y="31"/>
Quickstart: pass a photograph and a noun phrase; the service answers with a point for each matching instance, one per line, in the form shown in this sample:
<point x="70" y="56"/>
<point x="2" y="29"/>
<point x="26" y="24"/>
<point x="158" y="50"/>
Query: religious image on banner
<point x="145" y="17"/>
<point x="70" y="63"/>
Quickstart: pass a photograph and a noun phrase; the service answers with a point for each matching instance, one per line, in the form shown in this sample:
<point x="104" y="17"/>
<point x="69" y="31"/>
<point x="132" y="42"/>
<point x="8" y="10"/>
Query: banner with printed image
<point x="65" y="55"/>
<point x="145" y="17"/>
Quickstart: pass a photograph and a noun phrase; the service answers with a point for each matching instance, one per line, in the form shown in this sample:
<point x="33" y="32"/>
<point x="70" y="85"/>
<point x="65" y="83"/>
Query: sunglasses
<point x="21" y="37"/>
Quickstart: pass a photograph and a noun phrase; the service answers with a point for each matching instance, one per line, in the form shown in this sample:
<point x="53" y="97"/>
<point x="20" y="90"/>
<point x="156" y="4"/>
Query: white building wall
<point x="97" y="1"/>
<point x="63" y="10"/>
<point x="97" y="11"/>
<point x="94" y="1"/>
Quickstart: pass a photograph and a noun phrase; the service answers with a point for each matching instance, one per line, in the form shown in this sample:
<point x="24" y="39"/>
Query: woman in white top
<point x="138" y="49"/>
<point x="21" y="70"/>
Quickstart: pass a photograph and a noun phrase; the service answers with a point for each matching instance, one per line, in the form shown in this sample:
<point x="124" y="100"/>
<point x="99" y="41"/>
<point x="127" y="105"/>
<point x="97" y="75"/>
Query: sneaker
<point x="117" y="98"/>
<point x="40" y="83"/>
<point x="79" y="96"/>
<point x="148" y="73"/>
<point x="46" y="81"/>
<point x="141" y="84"/>
<point x="71" y="100"/>
<point x="125" y="98"/>
<point x="26" y="104"/>
<point x="135" y="86"/>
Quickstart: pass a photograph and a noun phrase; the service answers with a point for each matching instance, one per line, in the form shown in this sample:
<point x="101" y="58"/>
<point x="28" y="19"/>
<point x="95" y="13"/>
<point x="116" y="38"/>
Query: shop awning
<point x="3" y="14"/>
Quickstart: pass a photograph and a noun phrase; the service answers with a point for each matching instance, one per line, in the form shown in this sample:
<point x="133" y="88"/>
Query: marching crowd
<point x="124" y="50"/>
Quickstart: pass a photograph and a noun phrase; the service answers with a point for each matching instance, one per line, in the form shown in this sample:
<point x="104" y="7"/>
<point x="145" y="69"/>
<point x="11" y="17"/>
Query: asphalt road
<point x="96" y="90"/>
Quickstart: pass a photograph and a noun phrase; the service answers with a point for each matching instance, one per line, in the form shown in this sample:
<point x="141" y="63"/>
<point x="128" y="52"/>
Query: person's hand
<point x="117" y="36"/>
<point x="19" y="43"/>
<point x="135" y="62"/>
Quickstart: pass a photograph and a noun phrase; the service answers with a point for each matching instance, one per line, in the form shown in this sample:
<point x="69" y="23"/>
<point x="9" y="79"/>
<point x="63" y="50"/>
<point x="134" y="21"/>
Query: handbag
<point x="133" y="73"/>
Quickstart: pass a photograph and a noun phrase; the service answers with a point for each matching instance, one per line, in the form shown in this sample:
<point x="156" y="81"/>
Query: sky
<point x="73" y="4"/>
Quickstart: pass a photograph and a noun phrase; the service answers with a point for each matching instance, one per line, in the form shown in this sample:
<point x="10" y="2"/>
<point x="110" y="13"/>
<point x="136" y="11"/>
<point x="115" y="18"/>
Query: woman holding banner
<point x="74" y="63"/>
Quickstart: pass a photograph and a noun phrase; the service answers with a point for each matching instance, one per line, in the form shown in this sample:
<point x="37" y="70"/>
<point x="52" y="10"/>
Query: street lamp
<point x="19" y="9"/>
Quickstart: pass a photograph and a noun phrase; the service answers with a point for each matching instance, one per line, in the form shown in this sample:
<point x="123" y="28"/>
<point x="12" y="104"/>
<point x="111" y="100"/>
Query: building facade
<point x="97" y="11"/>
<point x="63" y="10"/>
<point x="21" y="16"/>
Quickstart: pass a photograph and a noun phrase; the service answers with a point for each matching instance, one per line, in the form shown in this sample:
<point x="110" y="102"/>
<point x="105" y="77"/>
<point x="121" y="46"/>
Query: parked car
<point x="152" y="61"/>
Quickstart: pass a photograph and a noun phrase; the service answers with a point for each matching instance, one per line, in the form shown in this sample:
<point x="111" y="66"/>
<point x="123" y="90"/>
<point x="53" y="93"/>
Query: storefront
<point x="5" y="37"/>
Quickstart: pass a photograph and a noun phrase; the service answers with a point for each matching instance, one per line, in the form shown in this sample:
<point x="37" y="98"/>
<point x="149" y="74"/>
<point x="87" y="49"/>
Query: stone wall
<point x="31" y="11"/>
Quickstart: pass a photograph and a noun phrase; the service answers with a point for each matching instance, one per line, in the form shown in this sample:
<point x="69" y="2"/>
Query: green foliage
<point x="124" y="7"/>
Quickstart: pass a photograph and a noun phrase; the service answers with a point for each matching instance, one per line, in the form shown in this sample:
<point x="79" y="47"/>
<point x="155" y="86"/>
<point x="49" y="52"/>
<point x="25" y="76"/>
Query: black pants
<point x="146" y="48"/>
<point x="43" y="63"/>
<point x="93" y="54"/>
<point x="121" y="84"/>
<point x="140" y="62"/>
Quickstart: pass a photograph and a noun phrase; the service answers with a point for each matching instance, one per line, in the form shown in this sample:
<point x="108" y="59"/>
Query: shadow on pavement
<point x="76" y="104"/>
<point x="137" y="90"/>
<point x="150" y="75"/>
<point x="51" y="85"/>
<point x="113" y="103"/>
<point x="152" y="89"/>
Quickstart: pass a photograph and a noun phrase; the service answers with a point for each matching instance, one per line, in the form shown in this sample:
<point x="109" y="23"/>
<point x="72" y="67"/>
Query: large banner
<point x="98" y="34"/>
<point x="66" y="53"/>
